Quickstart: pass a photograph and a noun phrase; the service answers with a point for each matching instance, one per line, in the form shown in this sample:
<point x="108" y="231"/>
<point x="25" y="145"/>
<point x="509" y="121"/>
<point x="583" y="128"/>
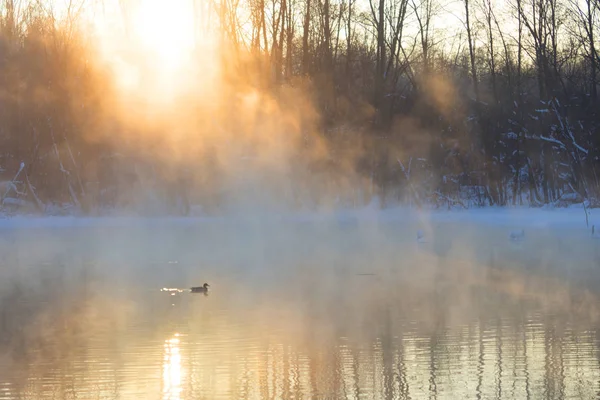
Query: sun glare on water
<point x="172" y="371"/>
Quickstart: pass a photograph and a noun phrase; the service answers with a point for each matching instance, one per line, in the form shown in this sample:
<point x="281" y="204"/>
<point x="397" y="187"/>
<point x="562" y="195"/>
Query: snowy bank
<point x="574" y="217"/>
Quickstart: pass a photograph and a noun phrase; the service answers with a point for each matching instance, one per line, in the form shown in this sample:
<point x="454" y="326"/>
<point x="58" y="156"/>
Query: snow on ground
<point x="573" y="217"/>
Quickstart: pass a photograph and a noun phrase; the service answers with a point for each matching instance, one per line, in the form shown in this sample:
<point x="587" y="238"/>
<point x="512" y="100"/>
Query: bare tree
<point x="470" y="39"/>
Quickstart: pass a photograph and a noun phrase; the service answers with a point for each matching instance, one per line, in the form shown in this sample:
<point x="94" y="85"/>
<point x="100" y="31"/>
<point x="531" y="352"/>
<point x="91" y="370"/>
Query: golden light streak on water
<point x="172" y="369"/>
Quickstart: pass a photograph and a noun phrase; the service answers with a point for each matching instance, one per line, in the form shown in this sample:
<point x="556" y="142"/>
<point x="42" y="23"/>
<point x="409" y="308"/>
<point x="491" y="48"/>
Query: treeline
<point x="450" y="104"/>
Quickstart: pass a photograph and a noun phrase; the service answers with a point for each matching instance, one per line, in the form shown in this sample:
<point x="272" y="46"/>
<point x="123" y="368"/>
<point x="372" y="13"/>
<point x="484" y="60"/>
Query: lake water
<point x="305" y="310"/>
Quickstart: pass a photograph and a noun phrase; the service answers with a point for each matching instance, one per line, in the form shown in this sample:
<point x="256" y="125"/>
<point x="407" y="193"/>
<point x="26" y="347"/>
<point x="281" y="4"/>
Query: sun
<point x="157" y="50"/>
<point x="164" y="31"/>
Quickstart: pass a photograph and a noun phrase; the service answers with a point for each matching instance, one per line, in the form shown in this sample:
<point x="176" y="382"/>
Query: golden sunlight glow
<point x="165" y="31"/>
<point x="172" y="370"/>
<point x="150" y="46"/>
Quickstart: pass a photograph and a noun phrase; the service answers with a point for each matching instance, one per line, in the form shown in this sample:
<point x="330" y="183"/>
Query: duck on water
<point x="200" y="289"/>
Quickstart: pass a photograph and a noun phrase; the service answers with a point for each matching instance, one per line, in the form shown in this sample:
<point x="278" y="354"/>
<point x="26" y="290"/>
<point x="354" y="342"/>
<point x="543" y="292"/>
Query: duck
<point x="200" y="289"/>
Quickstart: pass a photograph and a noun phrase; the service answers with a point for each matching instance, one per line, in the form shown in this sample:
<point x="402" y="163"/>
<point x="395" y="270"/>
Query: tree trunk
<point x="471" y="52"/>
<point x="305" y="53"/>
<point x="593" y="54"/>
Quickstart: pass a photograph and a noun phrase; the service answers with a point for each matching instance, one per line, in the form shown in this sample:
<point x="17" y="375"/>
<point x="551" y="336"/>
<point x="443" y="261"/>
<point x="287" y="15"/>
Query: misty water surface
<point x="330" y="309"/>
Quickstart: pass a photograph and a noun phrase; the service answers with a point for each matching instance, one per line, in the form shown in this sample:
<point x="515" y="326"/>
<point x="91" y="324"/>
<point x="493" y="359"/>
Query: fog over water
<point x="331" y="307"/>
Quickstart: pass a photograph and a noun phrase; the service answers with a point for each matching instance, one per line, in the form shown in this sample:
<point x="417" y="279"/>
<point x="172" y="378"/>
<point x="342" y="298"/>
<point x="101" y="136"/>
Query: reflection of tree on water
<point x="378" y="350"/>
<point x="395" y="367"/>
<point x="499" y="347"/>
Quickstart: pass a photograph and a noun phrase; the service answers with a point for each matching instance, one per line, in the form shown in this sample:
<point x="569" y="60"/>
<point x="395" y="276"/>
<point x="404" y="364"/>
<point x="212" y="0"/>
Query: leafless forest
<point x="308" y="103"/>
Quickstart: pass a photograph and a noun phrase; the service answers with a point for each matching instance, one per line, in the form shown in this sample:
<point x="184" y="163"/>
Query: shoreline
<point x="496" y="216"/>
